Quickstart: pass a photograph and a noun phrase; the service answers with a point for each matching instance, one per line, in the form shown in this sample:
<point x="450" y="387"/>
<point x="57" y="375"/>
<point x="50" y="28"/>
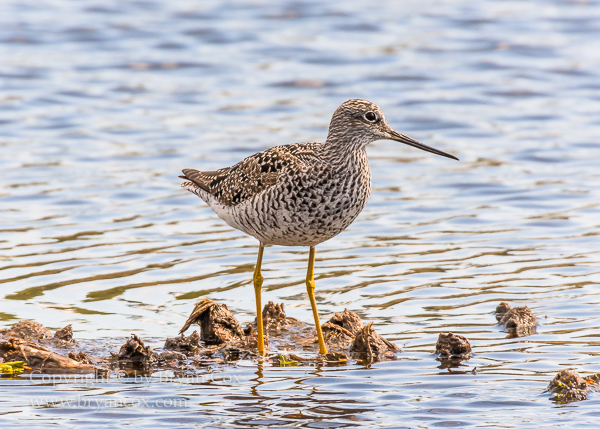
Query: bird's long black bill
<point x="394" y="135"/>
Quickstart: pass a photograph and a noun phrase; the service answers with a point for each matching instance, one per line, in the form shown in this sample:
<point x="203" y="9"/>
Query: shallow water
<point x="103" y="103"/>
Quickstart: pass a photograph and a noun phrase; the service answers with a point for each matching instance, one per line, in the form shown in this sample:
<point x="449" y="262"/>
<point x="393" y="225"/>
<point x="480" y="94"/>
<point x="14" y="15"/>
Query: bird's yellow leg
<point x="310" y="288"/>
<point x="258" y="281"/>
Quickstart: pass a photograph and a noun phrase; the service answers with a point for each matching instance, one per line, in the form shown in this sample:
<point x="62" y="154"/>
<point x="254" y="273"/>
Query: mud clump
<point x="27" y="330"/>
<point x="348" y="320"/>
<point x="275" y="324"/>
<point x="183" y="343"/>
<point x="134" y="352"/>
<point x="171" y="355"/>
<point x="275" y="320"/>
<point x="62" y="338"/>
<point x="451" y="346"/>
<point x="39" y="358"/>
<point x="345" y="331"/>
<point x="568" y="386"/>
<point x="217" y="324"/>
<point x="519" y="322"/>
<point x="274" y="315"/>
<point x="370" y="343"/>
<point x="65" y="334"/>
<point x="342" y="328"/>
<point x="81" y="357"/>
<point x="233" y="354"/>
<point x="34" y="331"/>
<point x="501" y="310"/>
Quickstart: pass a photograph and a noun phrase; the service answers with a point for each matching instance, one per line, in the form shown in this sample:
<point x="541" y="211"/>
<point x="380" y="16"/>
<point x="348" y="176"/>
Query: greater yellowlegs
<point x="300" y="194"/>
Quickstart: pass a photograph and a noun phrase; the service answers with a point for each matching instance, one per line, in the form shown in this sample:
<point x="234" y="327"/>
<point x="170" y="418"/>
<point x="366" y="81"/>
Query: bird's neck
<point x="347" y="155"/>
<point x="345" y="140"/>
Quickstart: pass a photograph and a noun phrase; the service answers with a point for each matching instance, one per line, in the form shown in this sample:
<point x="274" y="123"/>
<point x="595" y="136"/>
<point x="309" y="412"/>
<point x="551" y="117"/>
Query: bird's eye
<point x="371" y="116"/>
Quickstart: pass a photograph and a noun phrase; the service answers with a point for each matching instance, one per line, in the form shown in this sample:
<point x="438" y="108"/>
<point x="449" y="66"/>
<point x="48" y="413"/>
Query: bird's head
<point x="360" y="122"/>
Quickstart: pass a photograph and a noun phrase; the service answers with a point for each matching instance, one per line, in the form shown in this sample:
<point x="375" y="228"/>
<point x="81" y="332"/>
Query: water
<point x="103" y="103"/>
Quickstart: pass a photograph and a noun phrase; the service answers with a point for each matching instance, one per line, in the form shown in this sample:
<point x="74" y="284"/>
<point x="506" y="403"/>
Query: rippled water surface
<point x="102" y="103"/>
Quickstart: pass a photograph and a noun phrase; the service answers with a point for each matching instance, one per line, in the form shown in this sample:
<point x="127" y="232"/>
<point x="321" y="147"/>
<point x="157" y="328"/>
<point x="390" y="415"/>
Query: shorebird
<point x="300" y="194"/>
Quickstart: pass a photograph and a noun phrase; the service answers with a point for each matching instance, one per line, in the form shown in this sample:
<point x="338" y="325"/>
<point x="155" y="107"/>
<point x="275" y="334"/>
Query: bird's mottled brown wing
<point x="254" y="174"/>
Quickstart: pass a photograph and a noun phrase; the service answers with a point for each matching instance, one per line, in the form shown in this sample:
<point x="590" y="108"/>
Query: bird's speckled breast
<point x="307" y="209"/>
